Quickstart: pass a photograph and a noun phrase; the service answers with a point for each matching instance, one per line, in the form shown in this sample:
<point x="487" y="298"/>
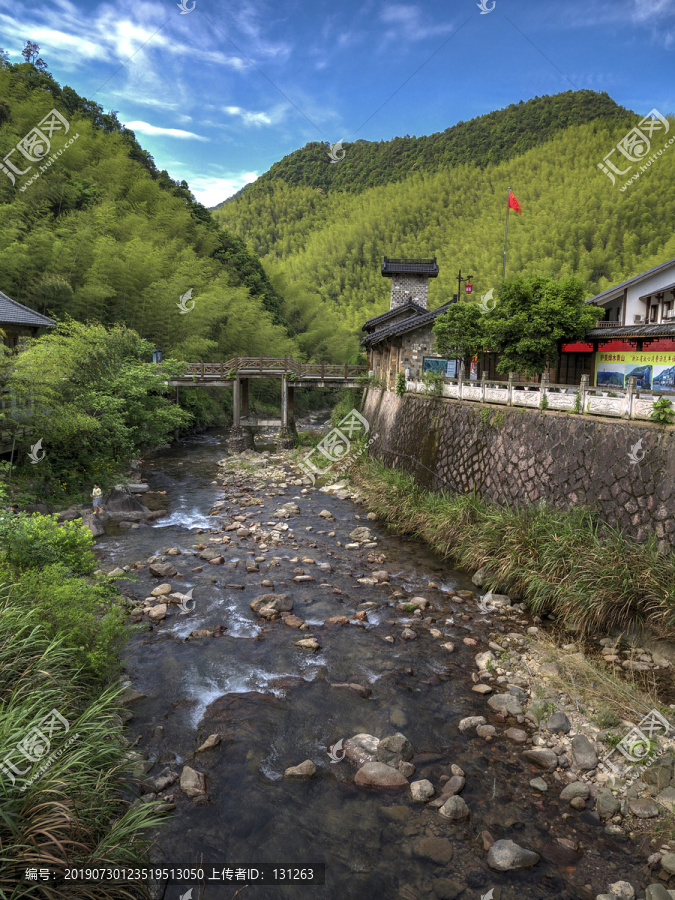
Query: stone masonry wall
<point x="409" y="287"/>
<point x="415" y="345"/>
<point x="522" y="456"/>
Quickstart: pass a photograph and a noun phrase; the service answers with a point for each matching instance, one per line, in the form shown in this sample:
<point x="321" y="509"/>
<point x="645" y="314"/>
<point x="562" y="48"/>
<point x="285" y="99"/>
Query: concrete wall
<point x="521" y="456"/>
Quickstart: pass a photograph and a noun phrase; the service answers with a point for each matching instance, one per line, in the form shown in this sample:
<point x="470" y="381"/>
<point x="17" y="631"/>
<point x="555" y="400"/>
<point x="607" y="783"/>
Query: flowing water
<point x="273" y="705"/>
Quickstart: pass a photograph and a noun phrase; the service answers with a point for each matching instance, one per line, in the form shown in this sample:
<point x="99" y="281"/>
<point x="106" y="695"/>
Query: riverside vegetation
<point x="61" y="632"/>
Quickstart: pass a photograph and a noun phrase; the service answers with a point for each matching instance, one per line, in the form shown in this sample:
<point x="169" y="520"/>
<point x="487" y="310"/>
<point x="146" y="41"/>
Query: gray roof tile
<point x="13" y="313"/>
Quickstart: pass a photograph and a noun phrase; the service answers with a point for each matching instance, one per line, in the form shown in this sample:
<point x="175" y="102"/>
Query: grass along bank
<point x="562" y="562"/>
<point x="68" y="781"/>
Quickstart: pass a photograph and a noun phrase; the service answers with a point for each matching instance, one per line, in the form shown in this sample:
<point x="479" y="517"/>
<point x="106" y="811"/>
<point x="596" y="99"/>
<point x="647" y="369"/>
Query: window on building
<point x="653" y="312"/>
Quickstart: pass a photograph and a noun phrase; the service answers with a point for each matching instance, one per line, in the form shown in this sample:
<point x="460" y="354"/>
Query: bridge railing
<point x="272" y="366"/>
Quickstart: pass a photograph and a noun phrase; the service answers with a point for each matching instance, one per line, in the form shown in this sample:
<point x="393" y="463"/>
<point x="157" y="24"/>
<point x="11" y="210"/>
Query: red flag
<point x="513" y="204"/>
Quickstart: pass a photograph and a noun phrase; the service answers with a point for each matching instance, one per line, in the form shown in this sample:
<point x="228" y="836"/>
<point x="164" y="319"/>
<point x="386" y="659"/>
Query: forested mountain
<point x="103" y="235"/>
<point x="574" y="221"/>
<point x="484" y="141"/>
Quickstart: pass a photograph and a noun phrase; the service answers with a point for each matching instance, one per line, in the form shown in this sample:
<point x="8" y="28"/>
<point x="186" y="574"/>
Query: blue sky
<point x="218" y="94"/>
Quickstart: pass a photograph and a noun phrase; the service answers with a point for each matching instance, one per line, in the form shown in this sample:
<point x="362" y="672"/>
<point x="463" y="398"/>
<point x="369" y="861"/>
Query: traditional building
<point x="402" y="338"/>
<point x="18" y="321"/>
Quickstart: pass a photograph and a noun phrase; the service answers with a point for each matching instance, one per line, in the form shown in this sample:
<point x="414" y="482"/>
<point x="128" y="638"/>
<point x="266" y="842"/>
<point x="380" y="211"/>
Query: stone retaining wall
<point x="519" y="456"/>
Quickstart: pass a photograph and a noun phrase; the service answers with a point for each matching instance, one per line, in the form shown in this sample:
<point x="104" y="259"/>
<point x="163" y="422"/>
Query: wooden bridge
<point x="238" y="371"/>
<point x="240" y="367"/>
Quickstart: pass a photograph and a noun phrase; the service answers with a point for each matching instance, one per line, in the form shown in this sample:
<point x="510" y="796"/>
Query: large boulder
<point x="380" y="776"/>
<point x="192" y="782"/>
<point x="584" y="753"/>
<point x="394" y="749"/>
<point x="543" y="759"/>
<point x="93" y="523"/>
<point x="121" y="501"/>
<point x="268" y="605"/>
<point x="506" y="704"/>
<point x="162" y="570"/>
<point x="505" y="856"/>
<point x="306" y="769"/>
<point x="361" y="748"/>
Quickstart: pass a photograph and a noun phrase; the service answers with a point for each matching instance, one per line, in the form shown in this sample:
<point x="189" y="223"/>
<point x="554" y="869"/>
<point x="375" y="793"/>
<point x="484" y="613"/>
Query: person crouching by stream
<point x="96" y="495"/>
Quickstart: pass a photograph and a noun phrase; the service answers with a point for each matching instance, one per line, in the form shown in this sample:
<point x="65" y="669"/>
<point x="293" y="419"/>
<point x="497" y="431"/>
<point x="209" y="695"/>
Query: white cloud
<point x="211" y="190"/>
<point x="146" y="128"/>
<point x="248" y="117"/>
<point x="406" y="23"/>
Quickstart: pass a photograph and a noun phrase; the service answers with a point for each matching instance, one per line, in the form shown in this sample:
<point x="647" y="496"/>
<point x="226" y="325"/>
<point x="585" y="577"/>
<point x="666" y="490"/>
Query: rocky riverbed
<point x="307" y="688"/>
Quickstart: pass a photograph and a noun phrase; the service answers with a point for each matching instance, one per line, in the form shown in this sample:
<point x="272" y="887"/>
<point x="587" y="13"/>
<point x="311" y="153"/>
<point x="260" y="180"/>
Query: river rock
<point x="667" y="798"/>
<point x="668" y="863"/>
<point x="576" y="789"/>
<point x="394" y="749"/>
<point x="157" y="613"/>
<point x="421" y="791"/>
<point x="506" y="856"/>
<point x="93" y="523"/>
<point x="543" y="759"/>
<point x="336" y="621"/>
<point x="483" y="659"/>
<point x="496" y="600"/>
<point x="272" y="604"/>
<point x="308" y="644"/>
<point x="606" y="804"/>
<point x="471" y="722"/>
<point x="357" y="688"/>
<point x="643" y="809"/>
<point x="438" y="850"/>
<point x="559" y="724"/>
<point x="379" y="775"/>
<point x="479" y="578"/>
<point x="505" y="703"/>
<point x="584" y="753"/>
<point x="517" y="735"/>
<point x="160" y="590"/>
<point x="453" y="786"/>
<point x="306" y="769"/>
<point x="454" y="808"/>
<point x="114" y="573"/>
<point x="361" y="533"/>
<point x="162" y="570"/>
<point x="292" y="621"/>
<point x="212" y="741"/>
<point x="361" y="748"/>
<point x="657" y="892"/>
<point x="539" y="785"/>
<point x="622" y="890"/>
<point x="192" y="782"/>
<point x="408" y="634"/>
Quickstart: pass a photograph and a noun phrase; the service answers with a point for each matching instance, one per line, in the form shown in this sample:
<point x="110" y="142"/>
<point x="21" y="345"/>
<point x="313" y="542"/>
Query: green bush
<point x="85" y="616"/>
<point x="400" y="384"/>
<point x="35" y="541"/>
<point x="433" y="382"/>
<point x="662" y="411"/>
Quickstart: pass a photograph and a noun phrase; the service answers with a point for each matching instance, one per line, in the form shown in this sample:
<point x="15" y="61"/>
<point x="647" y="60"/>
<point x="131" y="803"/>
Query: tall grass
<point x="80" y="811"/>
<point x="560" y="561"/>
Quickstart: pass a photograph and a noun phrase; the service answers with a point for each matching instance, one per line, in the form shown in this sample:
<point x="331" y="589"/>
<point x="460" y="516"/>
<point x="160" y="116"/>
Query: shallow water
<point x="274" y="707"/>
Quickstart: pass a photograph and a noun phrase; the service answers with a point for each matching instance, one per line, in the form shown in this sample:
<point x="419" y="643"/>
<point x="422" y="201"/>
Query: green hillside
<point x="102" y="235"/>
<point x="574" y="221"/>
<point x="483" y="141"/>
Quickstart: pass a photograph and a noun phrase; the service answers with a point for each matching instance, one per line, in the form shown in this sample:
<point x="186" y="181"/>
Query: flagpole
<point x="506" y="235"/>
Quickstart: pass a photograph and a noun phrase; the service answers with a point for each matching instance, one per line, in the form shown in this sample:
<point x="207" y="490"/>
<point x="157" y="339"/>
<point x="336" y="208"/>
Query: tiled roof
<point x="618" y="288"/>
<point x="637" y="331"/>
<point x="13" y="313"/>
<point x="414" y="308"/>
<point x="400" y="266"/>
<point x="409" y="324"/>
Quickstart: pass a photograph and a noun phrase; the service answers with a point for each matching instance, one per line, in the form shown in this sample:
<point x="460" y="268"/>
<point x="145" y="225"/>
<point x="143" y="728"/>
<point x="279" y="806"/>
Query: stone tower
<point x="409" y="279"/>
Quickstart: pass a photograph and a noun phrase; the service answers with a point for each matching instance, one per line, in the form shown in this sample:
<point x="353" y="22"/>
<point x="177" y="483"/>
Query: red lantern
<point x="468" y="288"/>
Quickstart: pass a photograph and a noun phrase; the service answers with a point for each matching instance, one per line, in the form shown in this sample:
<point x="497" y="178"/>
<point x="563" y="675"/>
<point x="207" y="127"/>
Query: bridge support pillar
<point x="244" y="396"/>
<point x="287" y="432"/>
<point x="240" y="437"/>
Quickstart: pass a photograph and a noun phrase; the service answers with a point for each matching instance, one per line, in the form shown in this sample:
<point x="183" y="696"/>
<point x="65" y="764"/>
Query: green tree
<point x="532" y="319"/>
<point x="461" y="332"/>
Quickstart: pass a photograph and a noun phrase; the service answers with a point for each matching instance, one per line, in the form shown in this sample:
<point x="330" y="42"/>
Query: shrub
<point x="36" y="541"/>
<point x="400" y="384"/>
<point x="85" y="616"/>
<point x="662" y="411"/>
